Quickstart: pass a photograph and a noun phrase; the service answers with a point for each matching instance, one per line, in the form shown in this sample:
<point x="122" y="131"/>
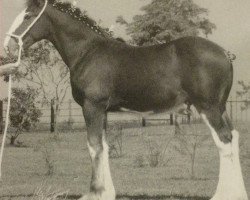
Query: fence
<point x="239" y="110"/>
<point x="70" y="116"/>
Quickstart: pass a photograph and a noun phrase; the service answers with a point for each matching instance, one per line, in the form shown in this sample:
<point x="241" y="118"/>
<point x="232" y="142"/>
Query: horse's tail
<point x="228" y="80"/>
<point x="231" y="57"/>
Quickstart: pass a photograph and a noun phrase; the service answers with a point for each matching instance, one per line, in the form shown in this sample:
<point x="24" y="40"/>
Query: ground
<point x="25" y="170"/>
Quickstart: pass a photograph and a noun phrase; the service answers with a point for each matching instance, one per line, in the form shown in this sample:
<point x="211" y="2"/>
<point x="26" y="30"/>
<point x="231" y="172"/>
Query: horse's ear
<point x="37" y="3"/>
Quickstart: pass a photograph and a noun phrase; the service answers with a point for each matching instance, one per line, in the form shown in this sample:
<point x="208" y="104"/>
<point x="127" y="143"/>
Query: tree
<point x="44" y="69"/>
<point x="165" y="20"/>
<point x="244" y="93"/>
<point x="24" y="113"/>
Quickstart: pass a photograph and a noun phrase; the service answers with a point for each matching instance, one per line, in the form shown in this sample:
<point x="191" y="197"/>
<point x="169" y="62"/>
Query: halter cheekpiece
<point x="20" y="37"/>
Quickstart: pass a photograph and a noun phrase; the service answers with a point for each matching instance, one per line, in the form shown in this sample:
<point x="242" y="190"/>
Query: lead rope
<point x="20" y="44"/>
<point x="6" y="125"/>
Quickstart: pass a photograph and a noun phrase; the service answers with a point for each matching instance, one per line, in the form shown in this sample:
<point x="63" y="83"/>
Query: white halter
<point x="20" y="37"/>
<point x="20" y="43"/>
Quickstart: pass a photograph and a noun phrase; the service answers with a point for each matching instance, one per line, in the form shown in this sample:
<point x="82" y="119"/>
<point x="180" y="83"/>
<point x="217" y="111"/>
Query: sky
<point x="232" y="18"/>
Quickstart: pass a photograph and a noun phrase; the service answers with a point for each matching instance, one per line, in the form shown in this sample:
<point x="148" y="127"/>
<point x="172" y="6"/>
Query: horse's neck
<point x="70" y="37"/>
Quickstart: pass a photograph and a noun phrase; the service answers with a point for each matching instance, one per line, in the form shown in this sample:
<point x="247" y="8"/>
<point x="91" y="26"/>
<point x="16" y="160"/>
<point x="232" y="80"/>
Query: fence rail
<point x="70" y="116"/>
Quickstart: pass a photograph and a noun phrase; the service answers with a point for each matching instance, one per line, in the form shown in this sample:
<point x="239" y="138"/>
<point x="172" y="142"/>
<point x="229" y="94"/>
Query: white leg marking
<point x="92" y="152"/>
<point x="108" y="183"/>
<point x="17" y="22"/>
<point x="223" y="148"/>
<point x="103" y="174"/>
<point x="231" y="185"/>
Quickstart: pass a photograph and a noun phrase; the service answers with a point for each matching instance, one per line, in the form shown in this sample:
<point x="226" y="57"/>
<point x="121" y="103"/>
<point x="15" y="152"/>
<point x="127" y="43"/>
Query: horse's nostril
<point x="6" y="49"/>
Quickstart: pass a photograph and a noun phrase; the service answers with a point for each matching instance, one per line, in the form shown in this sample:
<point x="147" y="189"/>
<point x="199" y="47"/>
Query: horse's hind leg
<point x="101" y="187"/>
<point x="231" y="185"/>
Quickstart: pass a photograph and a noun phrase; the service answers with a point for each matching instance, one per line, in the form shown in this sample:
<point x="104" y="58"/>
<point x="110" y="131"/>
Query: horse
<point x="107" y="75"/>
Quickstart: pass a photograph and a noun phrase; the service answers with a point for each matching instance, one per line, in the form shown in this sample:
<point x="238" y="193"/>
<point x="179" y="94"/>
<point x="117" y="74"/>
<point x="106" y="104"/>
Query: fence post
<point x="246" y="102"/>
<point x="189" y="114"/>
<point x="143" y="122"/>
<point x="105" y="122"/>
<point x="70" y="110"/>
<point x="70" y="120"/>
<point x="241" y="112"/>
<point x="171" y="119"/>
<point x="231" y="108"/>
<point x="176" y="125"/>
<point x="1" y="116"/>
<point x="236" y="109"/>
<point x="52" y="116"/>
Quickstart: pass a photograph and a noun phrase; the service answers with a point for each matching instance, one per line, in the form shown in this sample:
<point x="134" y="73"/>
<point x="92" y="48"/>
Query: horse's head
<point x="31" y="25"/>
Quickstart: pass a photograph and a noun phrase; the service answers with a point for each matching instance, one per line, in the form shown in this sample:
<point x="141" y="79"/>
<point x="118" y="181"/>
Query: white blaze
<point x="17" y="22"/>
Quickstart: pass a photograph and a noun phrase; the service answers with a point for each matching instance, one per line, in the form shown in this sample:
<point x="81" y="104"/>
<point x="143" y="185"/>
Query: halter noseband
<point x="20" y="37"/>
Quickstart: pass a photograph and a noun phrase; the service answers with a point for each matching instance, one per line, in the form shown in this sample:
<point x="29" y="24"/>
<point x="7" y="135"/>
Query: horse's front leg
<point x="101" y="186"/>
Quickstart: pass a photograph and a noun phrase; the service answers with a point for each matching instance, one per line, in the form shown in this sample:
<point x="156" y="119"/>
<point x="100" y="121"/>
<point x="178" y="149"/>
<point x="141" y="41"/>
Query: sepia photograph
<point x="124" y="100"/>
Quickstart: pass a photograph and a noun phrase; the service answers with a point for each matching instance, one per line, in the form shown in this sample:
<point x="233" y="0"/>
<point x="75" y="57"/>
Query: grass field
<point x="24" y="169"/>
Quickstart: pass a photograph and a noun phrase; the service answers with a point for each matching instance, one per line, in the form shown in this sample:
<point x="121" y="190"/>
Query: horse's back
<point x="156" y="77"/>
<point x="191" y="66"/>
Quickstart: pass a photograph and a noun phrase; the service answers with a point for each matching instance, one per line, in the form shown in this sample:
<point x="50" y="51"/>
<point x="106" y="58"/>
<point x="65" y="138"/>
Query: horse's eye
<point x="27" y="17"/>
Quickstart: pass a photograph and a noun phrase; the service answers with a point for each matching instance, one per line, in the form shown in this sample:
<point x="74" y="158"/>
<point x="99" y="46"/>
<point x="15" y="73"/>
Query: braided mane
<point x="75" y="12"/>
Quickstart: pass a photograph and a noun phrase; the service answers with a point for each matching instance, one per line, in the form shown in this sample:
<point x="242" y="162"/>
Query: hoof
<point x="230" y="197"/>
<point x="91" y="197"/>
<point x="102" y="196"/>
<point x="239" y="198"/>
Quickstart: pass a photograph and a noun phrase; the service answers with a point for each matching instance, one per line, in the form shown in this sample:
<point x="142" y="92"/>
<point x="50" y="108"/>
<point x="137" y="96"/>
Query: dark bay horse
<point x="108" y="75"/>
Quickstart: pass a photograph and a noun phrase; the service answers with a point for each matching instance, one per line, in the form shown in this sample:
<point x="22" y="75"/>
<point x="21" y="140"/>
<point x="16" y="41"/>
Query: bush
<point x="47" y="148"/>
<point x="154" y="158"/>
<point x="24" y="113"/>
<point x="66" y="125"/>
<point x="155" y="152"/>
<point x="188" y="145"/>
<point x="139" y="161"/>
<point x="115" y="141"/>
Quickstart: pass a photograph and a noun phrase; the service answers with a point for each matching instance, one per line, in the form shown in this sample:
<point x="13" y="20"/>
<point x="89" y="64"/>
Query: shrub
<point x="24" y="113"/>
<point x="66" y="125"/>
<point x="139" y="161"/>
<point x="188" y="145"/>
<point x="115" y="141"/>
<point x="154" y="158"/>
<point x="47" y="148"/>
<point x="155" y="152"/>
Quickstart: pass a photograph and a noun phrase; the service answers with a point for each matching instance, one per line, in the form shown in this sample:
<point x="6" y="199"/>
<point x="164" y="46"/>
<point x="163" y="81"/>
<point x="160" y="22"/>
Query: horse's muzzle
<point x="11" y="46"/>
